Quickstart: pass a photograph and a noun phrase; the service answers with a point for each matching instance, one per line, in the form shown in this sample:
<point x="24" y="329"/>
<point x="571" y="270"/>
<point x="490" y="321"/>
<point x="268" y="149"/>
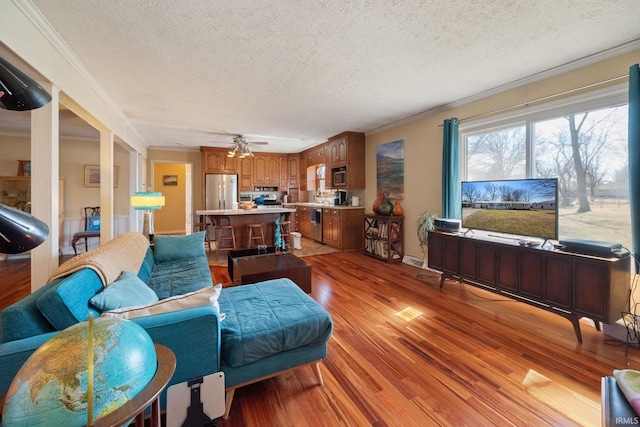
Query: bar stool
<point x="224" y="241"/>
<point x="203" y="225"/>
<point x="285" y="233"/>
<point x="255" y="234"/>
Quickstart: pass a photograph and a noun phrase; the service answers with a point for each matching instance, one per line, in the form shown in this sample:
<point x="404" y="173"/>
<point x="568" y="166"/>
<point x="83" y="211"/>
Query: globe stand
<point x="195" y="412"/>
<point x="185" y="406"/>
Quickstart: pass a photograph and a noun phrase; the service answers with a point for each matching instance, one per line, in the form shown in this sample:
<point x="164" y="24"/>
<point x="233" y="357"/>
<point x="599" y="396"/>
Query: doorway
<point x="174" y="181"/>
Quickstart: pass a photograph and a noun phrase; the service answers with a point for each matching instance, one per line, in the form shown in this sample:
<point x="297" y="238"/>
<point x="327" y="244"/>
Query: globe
<point x="51" y="387"/>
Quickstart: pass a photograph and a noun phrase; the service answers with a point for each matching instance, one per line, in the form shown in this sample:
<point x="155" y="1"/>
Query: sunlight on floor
<point x="408" y="314"/>
<point x="573" y="405"/>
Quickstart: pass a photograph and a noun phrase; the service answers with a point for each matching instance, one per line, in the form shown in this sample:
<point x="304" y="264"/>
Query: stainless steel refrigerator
<point x="220" y="191"/>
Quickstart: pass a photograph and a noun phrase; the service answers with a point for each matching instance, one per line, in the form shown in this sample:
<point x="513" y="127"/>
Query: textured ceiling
<point x="294" y="72"/>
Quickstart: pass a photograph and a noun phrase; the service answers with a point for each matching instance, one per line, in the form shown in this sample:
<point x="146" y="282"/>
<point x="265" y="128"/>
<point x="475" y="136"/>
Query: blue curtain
<point x="451" y="191"/>
<point x="634" y="157"/>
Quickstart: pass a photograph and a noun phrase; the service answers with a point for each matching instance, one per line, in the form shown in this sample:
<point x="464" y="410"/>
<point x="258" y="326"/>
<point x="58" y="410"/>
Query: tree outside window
<point x="586" y="151"/>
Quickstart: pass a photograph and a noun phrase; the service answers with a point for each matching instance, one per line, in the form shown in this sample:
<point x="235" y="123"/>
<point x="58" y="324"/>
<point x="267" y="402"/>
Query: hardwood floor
<point x="405" y="353"/>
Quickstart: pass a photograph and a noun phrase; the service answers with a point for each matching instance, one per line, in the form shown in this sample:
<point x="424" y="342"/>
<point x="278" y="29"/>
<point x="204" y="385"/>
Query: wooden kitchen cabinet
<point x="245" y="173"/>
<point x="338" y="151"/>
<point x="304" y="223"/>
<point x="320" y="154"/>
<point x="266" y="170"/>
<point x="302" y="173"/>
<point x="215" y="160"/>
<point x="332" y="228"/>
<point x="283" y="184"/>
<point x="293" y="170"/>
<point x="315" y="155"/>
<point x="568" y="284"/>
<point x="342" y="228"/>
<point x="347" y="150"/>
<point x="286" y="172"/>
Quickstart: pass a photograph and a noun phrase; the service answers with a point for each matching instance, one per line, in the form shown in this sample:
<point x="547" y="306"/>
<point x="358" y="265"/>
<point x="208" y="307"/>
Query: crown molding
<point x="565" y="68"/>
<point x="41" y="24"/>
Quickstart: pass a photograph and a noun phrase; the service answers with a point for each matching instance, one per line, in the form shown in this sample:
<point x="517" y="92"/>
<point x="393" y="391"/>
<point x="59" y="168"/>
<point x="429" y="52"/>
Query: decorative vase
<point x="385" y="208"/>
<point x="397" y="209"/>
<point x="378" y="202"/>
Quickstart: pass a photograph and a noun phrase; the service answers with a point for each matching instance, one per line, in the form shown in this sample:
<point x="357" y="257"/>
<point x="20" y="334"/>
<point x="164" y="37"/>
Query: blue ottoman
<point x="270" y="327"/>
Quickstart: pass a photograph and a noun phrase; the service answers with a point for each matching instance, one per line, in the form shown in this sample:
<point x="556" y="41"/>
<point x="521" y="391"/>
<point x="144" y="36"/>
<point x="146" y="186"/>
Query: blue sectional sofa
<point x="267" y="327"/>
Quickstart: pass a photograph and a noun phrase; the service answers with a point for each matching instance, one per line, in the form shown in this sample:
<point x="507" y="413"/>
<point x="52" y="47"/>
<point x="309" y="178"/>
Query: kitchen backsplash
<point x="252" y="195"/>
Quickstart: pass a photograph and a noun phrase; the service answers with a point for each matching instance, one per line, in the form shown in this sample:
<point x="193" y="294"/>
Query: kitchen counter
<point x="240" y="219"/>
<point x="229" y="212"/>
<point x="321" y="205"/>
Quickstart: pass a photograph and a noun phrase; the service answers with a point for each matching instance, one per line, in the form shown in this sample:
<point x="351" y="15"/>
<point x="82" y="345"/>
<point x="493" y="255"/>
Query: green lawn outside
<point x="609" y="221"/>
<point x="537" y="222"/>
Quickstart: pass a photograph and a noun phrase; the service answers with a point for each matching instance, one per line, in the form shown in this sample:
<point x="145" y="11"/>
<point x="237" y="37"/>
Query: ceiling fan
<point x="241" y="146"/>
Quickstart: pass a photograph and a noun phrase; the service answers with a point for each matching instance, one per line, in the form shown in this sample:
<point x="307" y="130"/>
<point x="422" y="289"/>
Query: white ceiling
<point x="295" y="72"/>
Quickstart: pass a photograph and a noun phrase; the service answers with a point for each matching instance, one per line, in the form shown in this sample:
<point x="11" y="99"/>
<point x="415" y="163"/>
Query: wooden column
<point x="44" y="186"/>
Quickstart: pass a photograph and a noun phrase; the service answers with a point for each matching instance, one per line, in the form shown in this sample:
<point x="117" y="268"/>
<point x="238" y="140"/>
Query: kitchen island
<point x="239" y="219"/>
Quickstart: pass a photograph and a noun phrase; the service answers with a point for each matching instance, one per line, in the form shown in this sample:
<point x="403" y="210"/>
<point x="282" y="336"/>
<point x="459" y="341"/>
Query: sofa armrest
<point x="13" y="354"/>
<point x="194" y="337"/>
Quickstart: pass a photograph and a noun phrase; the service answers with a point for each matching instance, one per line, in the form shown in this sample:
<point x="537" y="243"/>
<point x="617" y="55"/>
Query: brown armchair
<point x="91" y="227"/>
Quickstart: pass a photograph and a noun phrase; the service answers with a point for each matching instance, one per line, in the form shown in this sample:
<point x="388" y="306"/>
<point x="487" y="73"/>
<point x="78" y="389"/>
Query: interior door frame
<point x="188" y="202"/>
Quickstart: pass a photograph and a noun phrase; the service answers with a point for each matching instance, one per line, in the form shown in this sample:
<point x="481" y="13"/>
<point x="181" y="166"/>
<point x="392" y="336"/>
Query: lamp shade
<point x="20" y="231"/>
<point x="147" y="200"/>
<point x="18" y="91"/>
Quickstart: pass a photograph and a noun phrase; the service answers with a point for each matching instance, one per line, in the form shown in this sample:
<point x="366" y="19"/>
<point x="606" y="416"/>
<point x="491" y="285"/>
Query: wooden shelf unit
<point x="384" y="237"/>
<point x="15" y="191"/>
<point x="568" y="284"/>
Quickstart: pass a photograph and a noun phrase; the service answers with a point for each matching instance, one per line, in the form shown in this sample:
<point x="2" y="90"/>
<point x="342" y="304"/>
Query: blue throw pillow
<point x="127" y="291"/>
<point x="171" y="248"/>
<point x="93" y="223"/>
<point x="66" y="301"/>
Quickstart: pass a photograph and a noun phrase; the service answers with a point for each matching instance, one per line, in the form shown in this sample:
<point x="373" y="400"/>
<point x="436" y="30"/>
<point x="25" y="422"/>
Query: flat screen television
<point x="521" y="207"/>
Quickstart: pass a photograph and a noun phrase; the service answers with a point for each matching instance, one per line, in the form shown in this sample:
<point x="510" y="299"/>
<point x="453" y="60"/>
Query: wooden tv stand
<point x="568" y="284"/>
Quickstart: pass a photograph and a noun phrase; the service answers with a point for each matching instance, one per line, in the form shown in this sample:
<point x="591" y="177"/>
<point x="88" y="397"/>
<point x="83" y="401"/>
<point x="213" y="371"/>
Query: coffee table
<point x="251" y="268"/>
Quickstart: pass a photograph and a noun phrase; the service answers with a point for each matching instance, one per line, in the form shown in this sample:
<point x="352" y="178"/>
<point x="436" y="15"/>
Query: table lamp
<point x="147" y="201"/>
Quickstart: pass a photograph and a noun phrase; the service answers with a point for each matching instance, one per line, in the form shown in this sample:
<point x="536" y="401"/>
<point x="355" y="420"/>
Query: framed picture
<point x="24" y="167"/>
<point x="390" y="169"/>
<point x="169" y="179"/>
<point x="92" y="176"/>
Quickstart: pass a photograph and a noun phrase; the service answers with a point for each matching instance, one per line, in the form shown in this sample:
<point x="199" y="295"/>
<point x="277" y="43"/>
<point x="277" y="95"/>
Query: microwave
<point x="339" y="177"/>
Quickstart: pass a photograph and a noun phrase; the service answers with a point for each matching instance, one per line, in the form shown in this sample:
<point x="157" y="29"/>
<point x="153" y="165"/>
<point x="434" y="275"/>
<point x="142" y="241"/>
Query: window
<point x="498" y="154"/>
<point x="582" y="142"/>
